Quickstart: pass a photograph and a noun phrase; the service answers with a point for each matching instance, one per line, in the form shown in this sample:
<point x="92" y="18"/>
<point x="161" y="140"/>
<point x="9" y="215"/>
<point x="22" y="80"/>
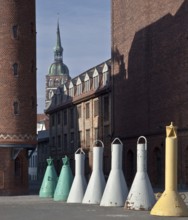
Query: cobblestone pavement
<point x="34" y="208"/>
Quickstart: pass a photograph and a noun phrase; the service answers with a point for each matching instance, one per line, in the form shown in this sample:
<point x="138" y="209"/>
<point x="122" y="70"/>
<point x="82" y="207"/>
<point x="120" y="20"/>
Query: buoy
<point x="116" y="190"/>
<point x="64" y="182"/>
<point x="170" y="203"/>
<point x="49" y="181"/>
<point x="79" y="184"/>
<point x="141" y="195"/>
<point x="97" y="181"/>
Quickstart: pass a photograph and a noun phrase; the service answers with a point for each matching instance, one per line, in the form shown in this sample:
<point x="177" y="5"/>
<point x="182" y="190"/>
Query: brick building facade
<point x="17" y="93"/>
<point x="150" y="81"/>
<point x="80" y="113"/>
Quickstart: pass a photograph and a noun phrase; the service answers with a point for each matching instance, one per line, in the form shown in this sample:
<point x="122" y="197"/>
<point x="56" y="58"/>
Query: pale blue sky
<point x="85" y="28"/>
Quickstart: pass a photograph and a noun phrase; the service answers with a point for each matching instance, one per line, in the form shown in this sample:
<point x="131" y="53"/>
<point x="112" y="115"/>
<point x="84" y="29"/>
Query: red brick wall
<point x="12" y="182"/>
<point x="21" y="88"/>
<point x="18" y="128"/>
<point x="150" y="83"/>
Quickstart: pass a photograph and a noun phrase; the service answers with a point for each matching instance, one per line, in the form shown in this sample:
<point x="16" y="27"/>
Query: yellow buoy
<point x="170" y="202"/>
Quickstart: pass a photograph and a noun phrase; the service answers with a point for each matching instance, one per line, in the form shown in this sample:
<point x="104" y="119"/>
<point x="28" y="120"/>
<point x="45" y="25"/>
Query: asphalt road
<point x="34" y="208"/>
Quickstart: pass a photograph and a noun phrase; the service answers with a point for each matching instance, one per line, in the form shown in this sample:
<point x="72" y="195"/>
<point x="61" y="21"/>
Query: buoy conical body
<point x="97" y="181"/>
<point x="170" y="203"/>
<point x="79" y="184"/>
<point x="49" y="181"/>
<point x="116" y="190"/>
<point x="64" y="182"/>
<point x="141" y="195"/>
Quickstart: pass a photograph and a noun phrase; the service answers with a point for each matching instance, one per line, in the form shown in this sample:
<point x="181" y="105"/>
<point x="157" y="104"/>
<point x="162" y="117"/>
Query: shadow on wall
<point x="152" y="91"/>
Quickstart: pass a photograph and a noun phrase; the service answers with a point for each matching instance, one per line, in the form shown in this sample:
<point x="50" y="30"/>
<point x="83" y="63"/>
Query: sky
<point x="85" y="28"/>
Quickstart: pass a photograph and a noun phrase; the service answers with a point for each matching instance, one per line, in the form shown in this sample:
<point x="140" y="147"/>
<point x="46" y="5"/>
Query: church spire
<point x="58" y="50"/>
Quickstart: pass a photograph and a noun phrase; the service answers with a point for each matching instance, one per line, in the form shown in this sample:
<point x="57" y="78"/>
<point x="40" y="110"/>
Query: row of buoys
<point x="115" y="191"/>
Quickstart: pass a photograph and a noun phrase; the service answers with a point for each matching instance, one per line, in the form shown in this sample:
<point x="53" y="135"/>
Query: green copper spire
<point x="58" y="50"/>
<point x="58" y="67"/>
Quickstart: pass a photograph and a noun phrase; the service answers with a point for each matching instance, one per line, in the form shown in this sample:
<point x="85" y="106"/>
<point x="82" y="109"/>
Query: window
<point x="106" y="108"/>
<point x="51" y="93"/>
<point x="15" y="31"/>
<point x="72" y="118"/>
<point x="79" y="89"/>
<point x="53" y="141"/>
<point x="53" y="120"/>
<point x="79" y="111"/>
<point x="95" y="82"/>
<point x="17" y="167"/>
<point x="59" y="141"/>
<point x="71" y="92"/>
<point x="105" y="78"/>
<point x="58" y="118"/>
<point x="50" y="83"/>
<point x="65" y="142"/>
<point x="65" y="117"/>
<point x="106" y="131"/>
<point x="88" y="138"/>
<point x="96" y="133"/>
<point x="96" y="108"/>
<point x="72" y="140"/>
<point x="57" y="83"/>
<point x="16" y="108"/>
<point x="87" y="111"/>
<point x="87" y="85"/>
<point x="15" y="69"/>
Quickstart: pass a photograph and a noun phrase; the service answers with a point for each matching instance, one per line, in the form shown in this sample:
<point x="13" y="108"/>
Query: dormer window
<point x="15" y="31"/>
<point x="15" y="69"/>
<point x="64" y="93"/>
<point x="95" y="79"/>
<point x="105" y="78"/>
<point x="78" y="87"/>
<point x="87" y="86"/>
<point x="106" y="75"/>
<point x="71" y="90"/>
<point x="86" y="83"/>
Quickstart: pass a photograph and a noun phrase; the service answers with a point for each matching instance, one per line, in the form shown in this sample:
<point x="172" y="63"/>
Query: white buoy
<point x="141" y="195"/>
<point x="116" y="190"/>
<point x="97" y="182"/>
<point x="79" y="184"/>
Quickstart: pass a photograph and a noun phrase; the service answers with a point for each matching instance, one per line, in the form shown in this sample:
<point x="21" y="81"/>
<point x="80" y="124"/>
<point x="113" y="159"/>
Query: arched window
<point x="15" y="69"/>
<point x="50" y="83"/>
<point x="57" y="83"/>
<point x="51" y="93"/>
<point x="16" y="108"/>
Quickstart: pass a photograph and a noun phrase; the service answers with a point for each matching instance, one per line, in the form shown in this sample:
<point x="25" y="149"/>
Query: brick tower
<point x="17" y="93"/>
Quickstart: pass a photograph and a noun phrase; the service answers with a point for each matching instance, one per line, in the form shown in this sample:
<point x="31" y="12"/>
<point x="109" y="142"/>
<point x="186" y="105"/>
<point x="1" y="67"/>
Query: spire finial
<point x="58" y="50"/>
